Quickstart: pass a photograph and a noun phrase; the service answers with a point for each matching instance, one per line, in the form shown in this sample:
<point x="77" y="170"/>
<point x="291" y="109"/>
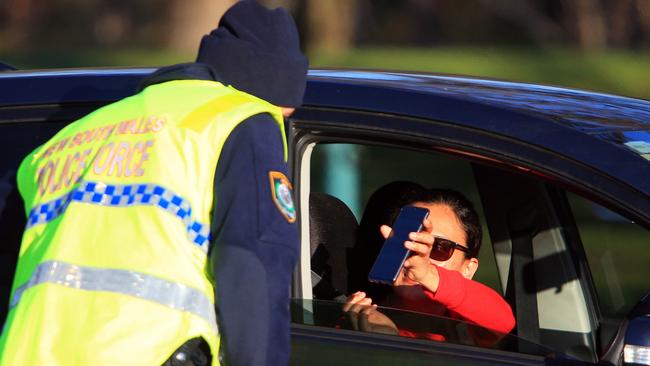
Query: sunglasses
<point x="442" y="249"/>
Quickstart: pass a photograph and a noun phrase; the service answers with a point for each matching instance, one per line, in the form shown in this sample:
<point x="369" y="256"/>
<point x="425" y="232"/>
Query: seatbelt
<point x="323" y="290"/>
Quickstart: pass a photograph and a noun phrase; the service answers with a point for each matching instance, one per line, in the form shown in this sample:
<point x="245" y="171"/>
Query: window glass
<point x="17" y="140"/>
<point x="615" y="249"/>
<point x="352" y="172"/>
<point x="413" y="325"/>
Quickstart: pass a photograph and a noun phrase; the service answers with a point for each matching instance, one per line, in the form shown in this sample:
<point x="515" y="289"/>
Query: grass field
<point x="616" y="71"/>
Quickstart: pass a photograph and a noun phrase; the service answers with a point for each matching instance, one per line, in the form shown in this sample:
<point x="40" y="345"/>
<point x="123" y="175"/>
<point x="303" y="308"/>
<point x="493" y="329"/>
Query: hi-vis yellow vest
<point x="112" y="263"/>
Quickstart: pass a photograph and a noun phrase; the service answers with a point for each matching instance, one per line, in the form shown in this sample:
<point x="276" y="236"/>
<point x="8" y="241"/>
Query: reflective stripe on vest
<point x="137" y="284"/>
<point x="124" y="195"/>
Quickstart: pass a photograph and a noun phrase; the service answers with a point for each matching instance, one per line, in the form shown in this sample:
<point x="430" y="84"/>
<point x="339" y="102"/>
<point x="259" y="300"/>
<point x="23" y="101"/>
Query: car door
<point x="533" y="254"/>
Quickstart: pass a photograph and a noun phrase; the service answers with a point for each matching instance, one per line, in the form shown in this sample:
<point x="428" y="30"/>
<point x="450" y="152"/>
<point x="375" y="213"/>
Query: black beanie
<point x="257" y="50"/>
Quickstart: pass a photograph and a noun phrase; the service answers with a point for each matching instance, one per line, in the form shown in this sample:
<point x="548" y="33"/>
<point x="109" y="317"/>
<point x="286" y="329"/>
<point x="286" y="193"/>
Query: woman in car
<point x="437" y="278"/>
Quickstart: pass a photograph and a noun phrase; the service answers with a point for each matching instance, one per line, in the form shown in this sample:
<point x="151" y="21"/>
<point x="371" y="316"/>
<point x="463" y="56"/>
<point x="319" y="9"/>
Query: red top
<point x="470" y="301"/>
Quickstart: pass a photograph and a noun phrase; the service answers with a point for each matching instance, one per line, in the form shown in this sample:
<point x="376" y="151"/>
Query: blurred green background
<point x="601" y="45"/>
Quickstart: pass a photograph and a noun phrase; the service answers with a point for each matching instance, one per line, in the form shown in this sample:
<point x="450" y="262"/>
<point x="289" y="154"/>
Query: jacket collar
<point x="186" y="71"/>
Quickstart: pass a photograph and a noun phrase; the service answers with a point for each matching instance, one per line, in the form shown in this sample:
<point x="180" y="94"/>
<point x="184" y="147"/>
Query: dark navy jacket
<point x="253" y="247"/>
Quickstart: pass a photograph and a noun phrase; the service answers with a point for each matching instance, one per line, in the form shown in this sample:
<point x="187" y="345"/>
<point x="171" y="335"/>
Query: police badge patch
<point x="281" y="190"/>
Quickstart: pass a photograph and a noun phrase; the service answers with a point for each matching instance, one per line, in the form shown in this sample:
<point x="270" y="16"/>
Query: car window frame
<point x="331" y="125"/>
<point x="426" y="349"/>
<point x="382" y="129"/>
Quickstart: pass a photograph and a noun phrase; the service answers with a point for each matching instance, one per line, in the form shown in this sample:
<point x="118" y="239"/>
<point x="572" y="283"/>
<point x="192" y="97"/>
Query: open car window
<point x="342" y="178"/>
<point x="531" y="254"/>
<point x="352" y="172"/>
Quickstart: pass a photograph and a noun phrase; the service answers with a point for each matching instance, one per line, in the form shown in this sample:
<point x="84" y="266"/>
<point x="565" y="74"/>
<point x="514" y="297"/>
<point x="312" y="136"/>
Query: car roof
<point x="587" y="111"/>
<point x="590" y="112"/>
<point x="616" y="119"/>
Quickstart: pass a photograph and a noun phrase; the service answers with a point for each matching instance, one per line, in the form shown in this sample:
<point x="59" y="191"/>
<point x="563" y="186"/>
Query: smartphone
<point x="393" y="253"/>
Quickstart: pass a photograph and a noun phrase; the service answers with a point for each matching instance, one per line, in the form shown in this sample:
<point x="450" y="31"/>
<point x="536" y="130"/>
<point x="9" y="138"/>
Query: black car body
<point x="562" y="178"/>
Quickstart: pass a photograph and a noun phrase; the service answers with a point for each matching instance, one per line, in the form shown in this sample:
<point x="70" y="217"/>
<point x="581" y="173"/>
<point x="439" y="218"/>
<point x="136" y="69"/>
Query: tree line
<point x="334" y="25"/>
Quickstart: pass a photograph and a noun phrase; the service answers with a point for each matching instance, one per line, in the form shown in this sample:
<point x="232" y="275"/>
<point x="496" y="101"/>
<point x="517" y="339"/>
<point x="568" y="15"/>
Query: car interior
<point x="532" y="251"/>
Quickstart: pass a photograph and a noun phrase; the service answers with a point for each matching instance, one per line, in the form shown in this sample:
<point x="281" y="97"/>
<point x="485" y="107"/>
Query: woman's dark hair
<point x="382" y="209"/>
<point x="465" y="212"/>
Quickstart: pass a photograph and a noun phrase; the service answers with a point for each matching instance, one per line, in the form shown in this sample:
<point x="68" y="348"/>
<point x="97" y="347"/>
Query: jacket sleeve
<point x="253" y="246"/>
<point x="473" y="301"/>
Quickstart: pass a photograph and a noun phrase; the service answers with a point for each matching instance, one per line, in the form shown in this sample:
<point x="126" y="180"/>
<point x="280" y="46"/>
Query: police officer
<point x="150" y="213"/>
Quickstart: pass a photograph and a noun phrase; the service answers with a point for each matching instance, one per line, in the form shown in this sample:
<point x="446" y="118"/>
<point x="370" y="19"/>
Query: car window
<point x="352" y="172"/>
<point x="526" y="253"/>
<point x="16" y="141"/>
<point x="615" y="248"/>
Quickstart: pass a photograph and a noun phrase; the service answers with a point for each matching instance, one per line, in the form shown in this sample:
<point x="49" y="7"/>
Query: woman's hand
<point x="364" y="316"/>
<point x="418" y="267"/>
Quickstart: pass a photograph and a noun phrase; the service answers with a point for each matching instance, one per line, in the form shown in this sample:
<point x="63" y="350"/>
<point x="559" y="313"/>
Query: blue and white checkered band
<point x="124" y="195"/>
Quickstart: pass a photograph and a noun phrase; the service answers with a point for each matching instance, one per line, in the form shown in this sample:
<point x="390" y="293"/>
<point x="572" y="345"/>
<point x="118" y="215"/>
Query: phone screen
<point x="393" y="253"/>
